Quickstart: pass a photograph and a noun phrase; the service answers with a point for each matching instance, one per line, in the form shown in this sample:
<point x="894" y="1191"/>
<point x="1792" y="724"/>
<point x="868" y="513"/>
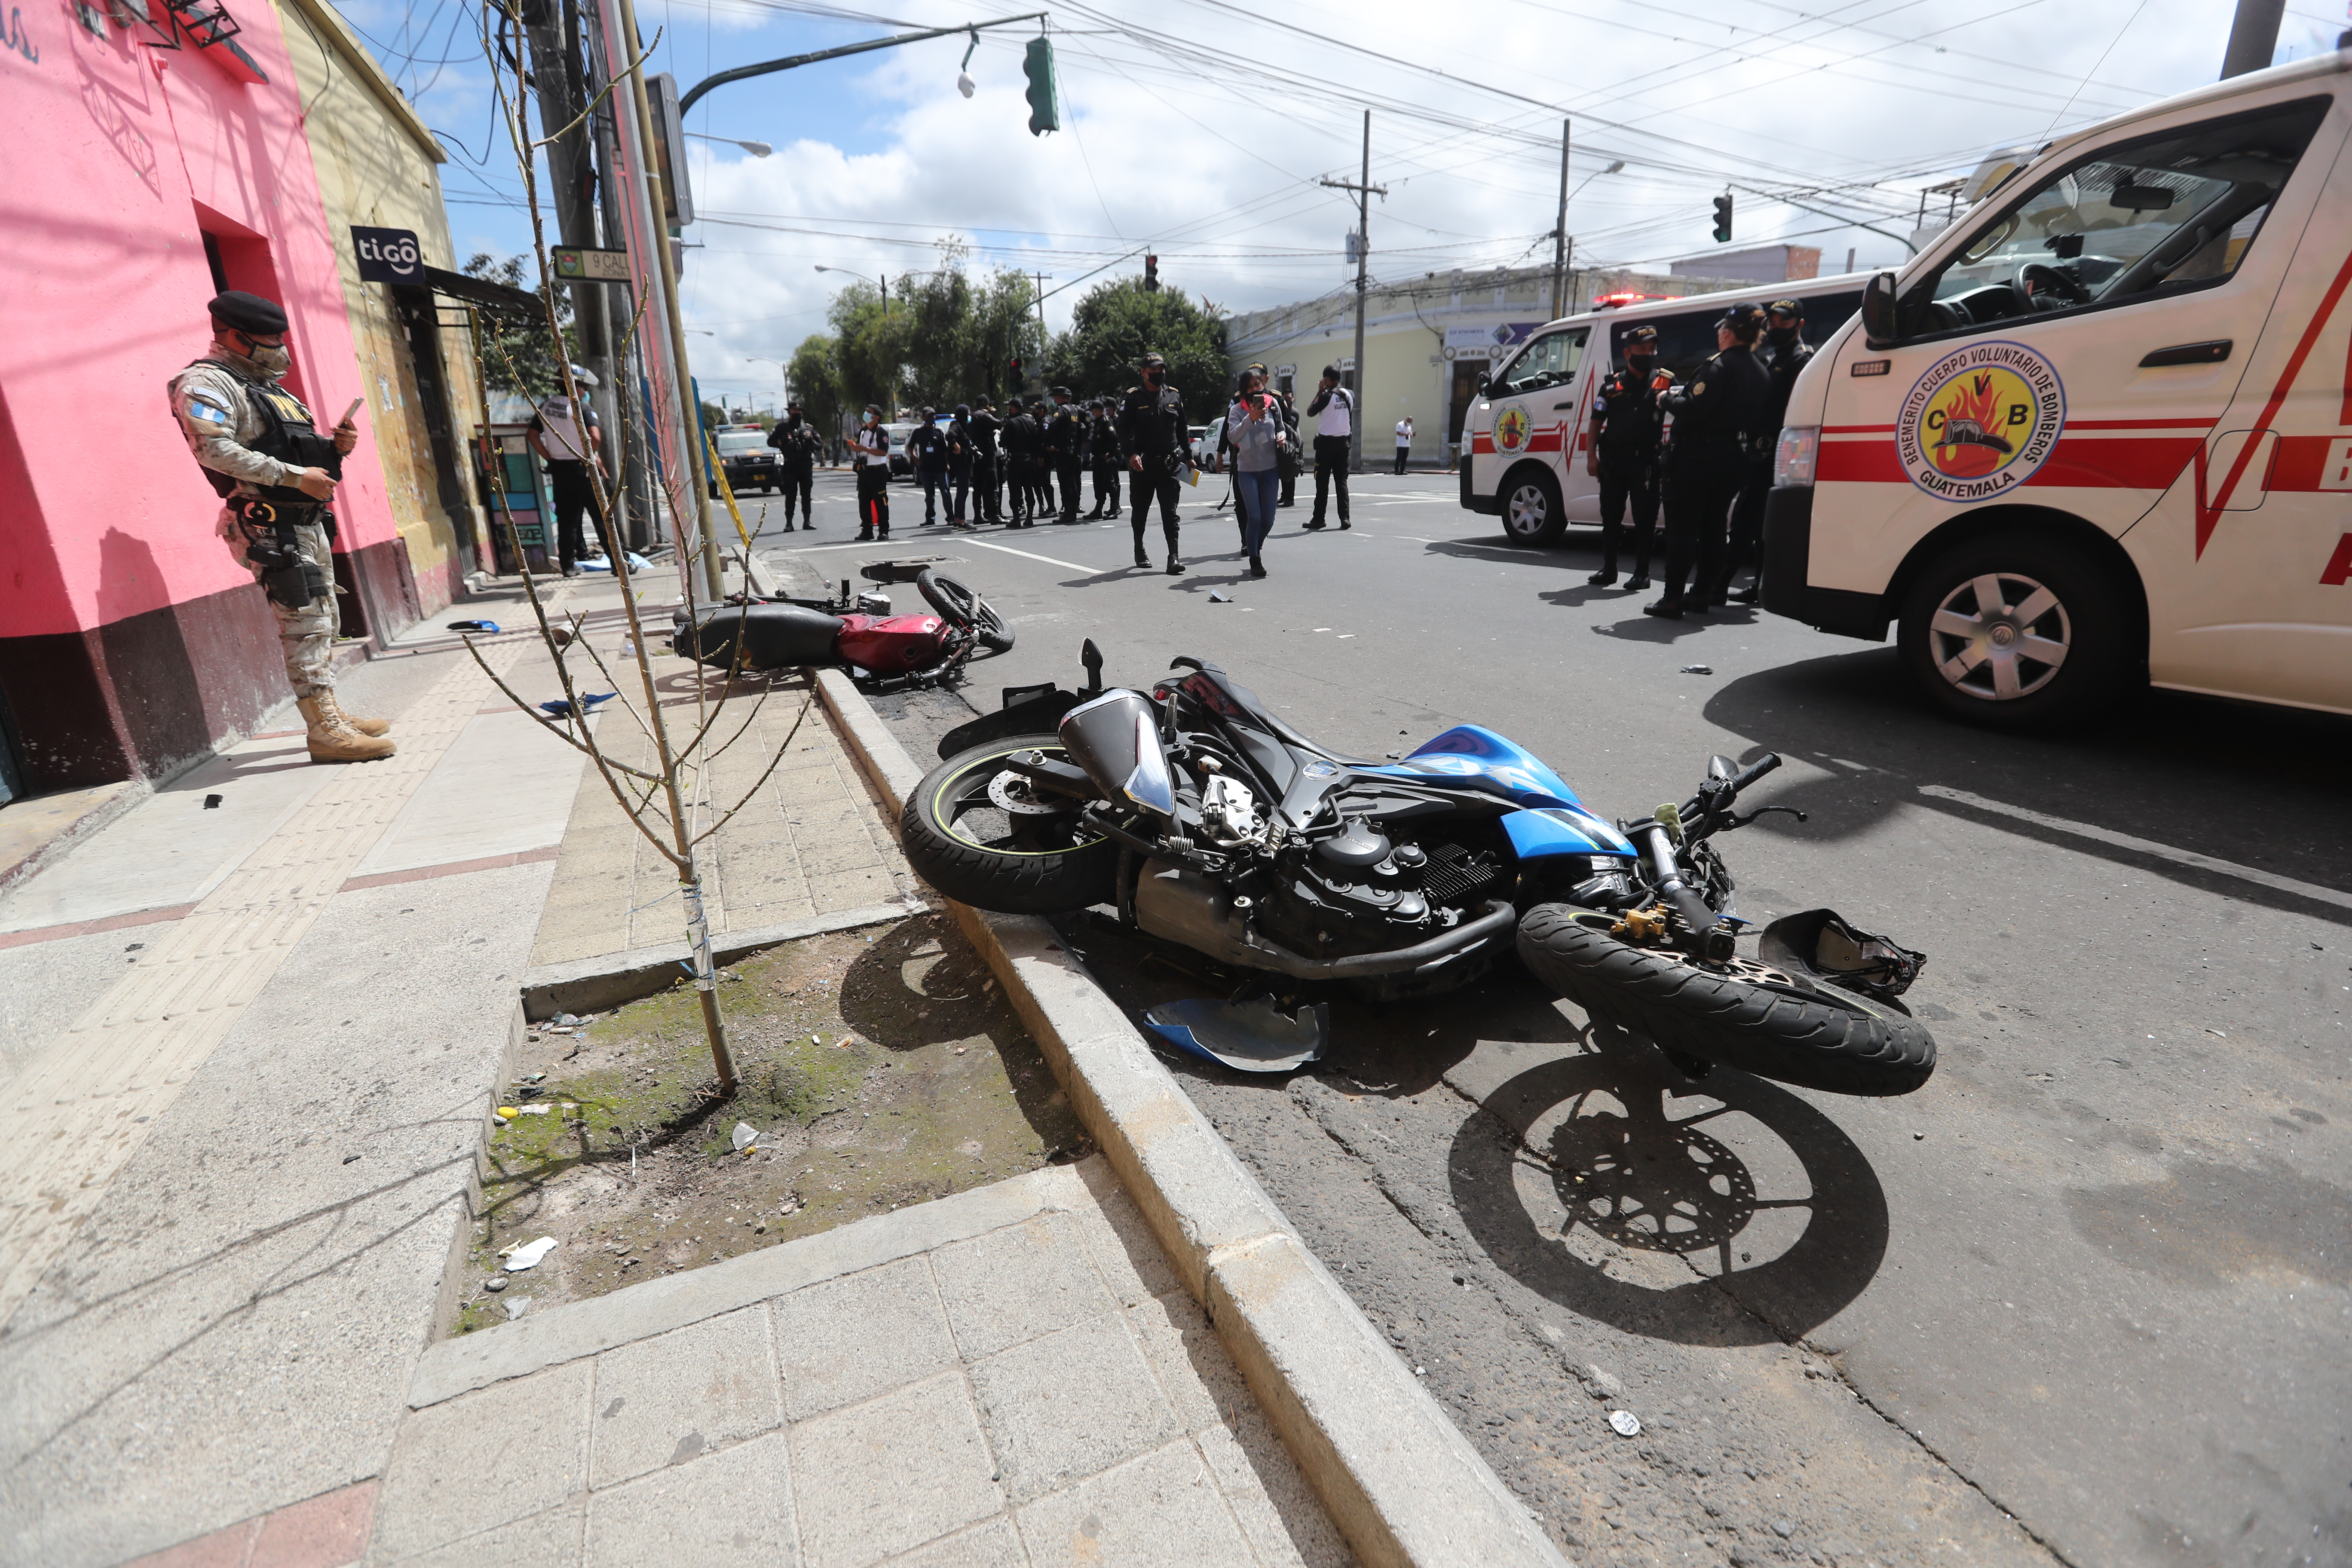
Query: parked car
<point x="748" y="460"/>
<point x="1206" y="438"/>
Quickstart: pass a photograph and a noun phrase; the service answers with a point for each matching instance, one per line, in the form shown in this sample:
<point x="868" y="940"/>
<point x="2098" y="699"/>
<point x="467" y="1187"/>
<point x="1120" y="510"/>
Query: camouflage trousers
<point x="306" y="635"/>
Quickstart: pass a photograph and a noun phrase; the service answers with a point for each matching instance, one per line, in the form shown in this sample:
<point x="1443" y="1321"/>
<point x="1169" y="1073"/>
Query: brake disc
<point x="1015" y="794"/>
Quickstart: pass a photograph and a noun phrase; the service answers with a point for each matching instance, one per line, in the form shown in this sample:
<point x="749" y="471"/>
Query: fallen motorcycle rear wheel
<point x="1793" y="1029"/>
<point x="985" y="835"/>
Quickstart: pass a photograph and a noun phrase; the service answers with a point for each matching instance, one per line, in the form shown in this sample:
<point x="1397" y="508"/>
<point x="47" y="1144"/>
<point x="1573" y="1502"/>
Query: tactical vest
<point x="288" y="434"/>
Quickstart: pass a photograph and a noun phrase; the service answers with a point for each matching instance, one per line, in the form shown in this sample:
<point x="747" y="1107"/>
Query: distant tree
<point x="1117" y="323"/>
<point x="816" y="382"/>
<point x="516" y="355"/>
<point x="945" y="339"/>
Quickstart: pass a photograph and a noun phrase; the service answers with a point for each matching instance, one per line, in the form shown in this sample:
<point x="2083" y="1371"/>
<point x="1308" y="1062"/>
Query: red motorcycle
<point x="857" y="630"/>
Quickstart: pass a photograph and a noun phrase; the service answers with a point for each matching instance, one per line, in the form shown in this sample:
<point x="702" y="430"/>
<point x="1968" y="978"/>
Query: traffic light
<point x="1723" y="217"/>
<point x="1015" y="366"/>
<point x="1037" y="65"/>
<point x="1152" y="273"/>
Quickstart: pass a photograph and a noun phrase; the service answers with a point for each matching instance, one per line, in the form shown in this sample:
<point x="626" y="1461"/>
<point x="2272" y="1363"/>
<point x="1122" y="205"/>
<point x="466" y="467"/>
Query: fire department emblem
<point x="1981" y="421"/>
<point x="1511" y="427"/>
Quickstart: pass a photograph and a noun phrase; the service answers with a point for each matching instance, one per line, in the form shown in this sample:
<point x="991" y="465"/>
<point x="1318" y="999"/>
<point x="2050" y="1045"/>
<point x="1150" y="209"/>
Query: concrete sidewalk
<point x="252" y="1048"/>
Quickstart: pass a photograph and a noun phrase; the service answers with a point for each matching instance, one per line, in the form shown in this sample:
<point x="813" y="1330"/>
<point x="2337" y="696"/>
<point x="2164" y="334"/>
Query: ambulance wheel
<point x="2016" y="632"/>
<point x="1532" y="514"/>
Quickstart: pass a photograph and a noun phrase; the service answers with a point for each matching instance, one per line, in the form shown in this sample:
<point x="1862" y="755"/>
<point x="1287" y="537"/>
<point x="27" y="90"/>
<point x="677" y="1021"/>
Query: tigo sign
<point x="388" y="255"/>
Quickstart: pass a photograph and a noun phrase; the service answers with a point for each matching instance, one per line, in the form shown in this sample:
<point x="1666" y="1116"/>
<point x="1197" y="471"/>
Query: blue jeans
<point x="1255" y="491"/>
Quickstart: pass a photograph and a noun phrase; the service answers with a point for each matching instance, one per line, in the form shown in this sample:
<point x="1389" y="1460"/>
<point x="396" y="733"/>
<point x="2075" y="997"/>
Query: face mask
<point x="1781" y="337"/>
<point x="1640" y="363"/>
<point x="1154" y="378"/>
<point x="271" y="357"/>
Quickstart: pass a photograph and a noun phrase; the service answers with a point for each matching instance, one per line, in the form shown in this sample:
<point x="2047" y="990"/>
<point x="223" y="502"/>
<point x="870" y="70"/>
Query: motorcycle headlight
<point x="1793" y="461"/>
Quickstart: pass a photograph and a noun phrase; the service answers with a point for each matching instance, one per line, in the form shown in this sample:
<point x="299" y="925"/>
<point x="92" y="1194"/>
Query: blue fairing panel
<point x="1470" y="757"/>
<point x="1557" y="830"/>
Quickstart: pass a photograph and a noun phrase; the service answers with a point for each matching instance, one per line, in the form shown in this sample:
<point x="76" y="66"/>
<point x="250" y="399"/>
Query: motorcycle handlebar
<point x="1755" y="770"/>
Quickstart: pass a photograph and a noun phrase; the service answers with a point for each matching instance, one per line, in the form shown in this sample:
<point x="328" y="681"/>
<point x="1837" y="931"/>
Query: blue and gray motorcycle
<point x="1202" y="819"/>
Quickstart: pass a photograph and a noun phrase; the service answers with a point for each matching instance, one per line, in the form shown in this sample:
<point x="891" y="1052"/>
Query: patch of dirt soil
<point x="880" y="1068"/>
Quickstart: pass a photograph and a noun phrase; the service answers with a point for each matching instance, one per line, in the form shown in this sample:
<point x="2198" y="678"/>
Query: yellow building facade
<point x="378" y="167"/>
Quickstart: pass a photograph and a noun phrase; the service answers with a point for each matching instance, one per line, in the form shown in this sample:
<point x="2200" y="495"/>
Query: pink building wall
<point x="129" y="641"/>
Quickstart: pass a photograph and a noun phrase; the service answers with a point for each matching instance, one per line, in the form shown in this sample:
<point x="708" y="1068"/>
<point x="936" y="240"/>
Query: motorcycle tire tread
<point x="1005" y="884"/>
<point x="1849" y="1046"/>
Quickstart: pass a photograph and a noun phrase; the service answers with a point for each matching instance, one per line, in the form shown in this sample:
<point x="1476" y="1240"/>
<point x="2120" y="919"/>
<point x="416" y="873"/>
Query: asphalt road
<point x="2087" y="1296"/>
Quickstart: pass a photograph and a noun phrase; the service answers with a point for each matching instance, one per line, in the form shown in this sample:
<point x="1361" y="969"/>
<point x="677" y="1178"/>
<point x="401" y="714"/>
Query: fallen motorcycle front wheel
<point x="1795" y="1029"/>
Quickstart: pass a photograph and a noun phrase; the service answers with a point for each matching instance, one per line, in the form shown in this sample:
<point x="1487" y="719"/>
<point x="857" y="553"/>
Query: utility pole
<point x="553" y="35"/>
<point x="1559" y="235"/>
<point x="665" y="359"/>
<point x="2254" y="36"/>
<point x="1364" y="191"/>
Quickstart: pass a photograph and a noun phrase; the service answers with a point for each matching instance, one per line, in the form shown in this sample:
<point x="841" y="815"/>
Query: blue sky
<point x="1200" y="127"/>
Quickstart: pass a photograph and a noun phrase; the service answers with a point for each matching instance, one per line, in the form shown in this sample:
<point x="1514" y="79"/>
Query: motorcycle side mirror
<point x="1722" y="767"/>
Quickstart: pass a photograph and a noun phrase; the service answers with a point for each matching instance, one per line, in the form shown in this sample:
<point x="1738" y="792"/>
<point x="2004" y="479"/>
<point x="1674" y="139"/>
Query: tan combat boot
<point x="332" y="737"/>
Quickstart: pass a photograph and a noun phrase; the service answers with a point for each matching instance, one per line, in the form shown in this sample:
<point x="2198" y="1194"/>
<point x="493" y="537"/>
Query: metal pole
<point x="1559" y="235"/>
<point x="2254" y="36"/>
<point x="1363" y="264"/>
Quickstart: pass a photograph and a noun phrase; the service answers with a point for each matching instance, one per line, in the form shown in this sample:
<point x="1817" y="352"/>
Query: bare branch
<point x="765" y="773"/>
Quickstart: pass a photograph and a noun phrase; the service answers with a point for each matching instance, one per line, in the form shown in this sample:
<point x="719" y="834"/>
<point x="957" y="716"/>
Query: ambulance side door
<point x="1534" y="400"/>
<point x="2248" y="563"/>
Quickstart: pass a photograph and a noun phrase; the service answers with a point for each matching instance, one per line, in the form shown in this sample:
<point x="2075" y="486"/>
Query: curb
<point x="1399" y="1479"/>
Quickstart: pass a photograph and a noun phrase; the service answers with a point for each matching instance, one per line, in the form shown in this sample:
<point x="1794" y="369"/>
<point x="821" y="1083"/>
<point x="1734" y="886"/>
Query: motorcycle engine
<point x="1353" y="888"/>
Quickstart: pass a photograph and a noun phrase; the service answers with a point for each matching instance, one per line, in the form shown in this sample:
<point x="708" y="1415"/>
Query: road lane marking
<point x="1049" y="560"/>
<point x="2310" y="890"/>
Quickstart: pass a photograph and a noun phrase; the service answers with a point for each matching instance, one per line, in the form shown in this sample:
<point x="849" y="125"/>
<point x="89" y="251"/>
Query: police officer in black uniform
<point x="1784" y="353"/>
<point x="987" y="464"/>
<point x="1624" y="456"/>
<point x="1021" y="448"/>
<point x="1102" y="446"/>
<point x="1719" y="416"/>
<point x="1151" y="429"/>
<point x="795" y="441"/>
<point x="1065" y="449"/>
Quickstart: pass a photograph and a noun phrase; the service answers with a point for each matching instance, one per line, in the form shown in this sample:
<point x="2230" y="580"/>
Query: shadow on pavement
<point x="2239" y="783"/>
<point x="1647" y="1211"/>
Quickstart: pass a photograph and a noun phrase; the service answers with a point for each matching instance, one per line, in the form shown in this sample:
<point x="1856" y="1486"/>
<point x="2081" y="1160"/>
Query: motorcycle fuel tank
<point x="891" y="645"/>
<point x="1472" y="757"/>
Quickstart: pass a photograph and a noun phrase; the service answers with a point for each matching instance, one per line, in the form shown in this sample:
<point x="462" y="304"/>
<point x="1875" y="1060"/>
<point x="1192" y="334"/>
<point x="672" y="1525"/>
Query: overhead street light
<point x="757" y="149"/>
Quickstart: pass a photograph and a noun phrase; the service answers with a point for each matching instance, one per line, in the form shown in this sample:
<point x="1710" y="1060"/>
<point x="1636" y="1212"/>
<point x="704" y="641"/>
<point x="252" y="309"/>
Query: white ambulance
<point x="2100" y="432"/>
<point x="1527" y="439"/>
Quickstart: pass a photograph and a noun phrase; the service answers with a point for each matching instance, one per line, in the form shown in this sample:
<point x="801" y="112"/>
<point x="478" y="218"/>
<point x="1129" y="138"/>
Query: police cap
<point x="1642" y="335"/>
<point x="1739" y="314"/>
<point x="1788" y="308"/>
<point x="1149" y="360"/>
<point x="248" y="313"/>
<point x="1061" y="392"/>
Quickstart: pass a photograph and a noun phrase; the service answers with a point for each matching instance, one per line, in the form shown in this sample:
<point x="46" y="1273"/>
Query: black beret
<point x="248" y="313"/>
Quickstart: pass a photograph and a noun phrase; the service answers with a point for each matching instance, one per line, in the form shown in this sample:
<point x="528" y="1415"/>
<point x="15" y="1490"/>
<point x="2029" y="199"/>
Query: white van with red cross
<point x="2100" y="432"/>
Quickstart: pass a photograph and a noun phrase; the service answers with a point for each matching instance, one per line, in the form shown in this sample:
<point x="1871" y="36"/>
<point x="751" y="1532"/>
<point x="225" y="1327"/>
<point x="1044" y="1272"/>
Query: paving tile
<point x="1120" y="1244"/>
<point x="221" y="1549"/>
<point x="1189" y="1361"/>
<point x="1018" y="1283"/>
<point x="886" y="1476"/>
<point x="662" y="1401"/>
<point x="324" y="1531"/>
<point x="725" y="1508"/>
<point x="548" y="1539"/>
<point x="1161" y="1509"/>
<point x="996" y="1544"/>
<point x="1277" y="1510"/>
<point x="1067" y="1406"/>
<point x="502" y="1452"/>
<point x="851" y="1338"/>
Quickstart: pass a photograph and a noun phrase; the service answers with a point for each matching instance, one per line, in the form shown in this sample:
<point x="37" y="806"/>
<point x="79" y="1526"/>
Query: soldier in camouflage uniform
<point x="260" y="450"/>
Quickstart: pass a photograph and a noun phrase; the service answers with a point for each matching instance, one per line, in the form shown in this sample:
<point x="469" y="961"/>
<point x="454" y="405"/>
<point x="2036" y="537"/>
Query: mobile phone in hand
<point x="354" y="408"/>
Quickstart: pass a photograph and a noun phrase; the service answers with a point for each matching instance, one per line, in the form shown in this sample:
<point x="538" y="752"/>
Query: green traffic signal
<point x="1044" y="109"/>
<point x="1723" y="217"/>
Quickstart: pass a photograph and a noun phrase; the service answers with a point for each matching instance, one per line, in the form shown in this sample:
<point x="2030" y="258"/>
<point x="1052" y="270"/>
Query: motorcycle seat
<point x="1248" y="703"/>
